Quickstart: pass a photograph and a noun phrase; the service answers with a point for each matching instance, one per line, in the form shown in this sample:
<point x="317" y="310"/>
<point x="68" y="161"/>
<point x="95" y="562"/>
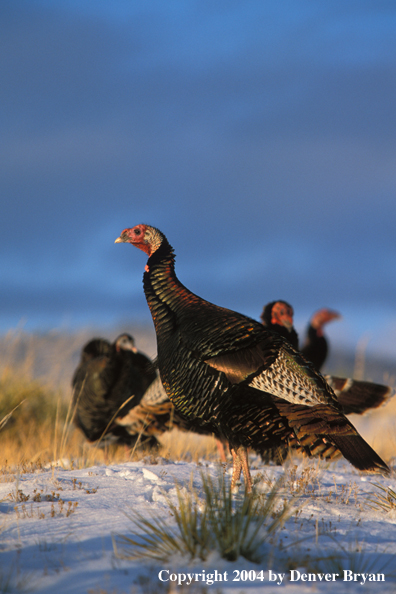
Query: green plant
<point x="233" y="527"/>
<point x="240" y="528"/>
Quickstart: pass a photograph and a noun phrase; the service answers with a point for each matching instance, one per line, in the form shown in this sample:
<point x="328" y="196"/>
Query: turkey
<point x="142" y="420"/>
<point x="226" y="373"/>
<point x="278" y="316"/>
<point x="155" y="414"/>
<point x="152" y="416"/>
<point x="315" y="347"/>
<point x="110" y="380"/>
<point x="94" y="348"/>
<point x="355" y="396"/>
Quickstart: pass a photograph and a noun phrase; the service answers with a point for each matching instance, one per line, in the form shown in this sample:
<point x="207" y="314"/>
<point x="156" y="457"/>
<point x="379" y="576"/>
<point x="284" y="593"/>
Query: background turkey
<point x="110" y="380"/>
<point x="315" y="346"/>
<point x="226" y="373"/>
<point x="355" y="396"/>
<point x="104" y="380"/>
<point x="152" y="416"/>
<point x="278" y="316"/>
<point x="155" y="414"/>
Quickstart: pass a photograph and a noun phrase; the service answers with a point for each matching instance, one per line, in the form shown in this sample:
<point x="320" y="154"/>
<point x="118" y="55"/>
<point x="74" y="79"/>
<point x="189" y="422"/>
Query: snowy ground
<point x="48" y="550"/>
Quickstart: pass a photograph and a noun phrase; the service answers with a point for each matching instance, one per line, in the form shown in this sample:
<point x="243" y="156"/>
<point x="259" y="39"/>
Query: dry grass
<point x="384" y="499"/>
<point x="33" y="411"/>
<point x="35" y="375"/>
<point x="378" y="428"/>
<point x="40" y="431"/>
<point x="36" y="421"/>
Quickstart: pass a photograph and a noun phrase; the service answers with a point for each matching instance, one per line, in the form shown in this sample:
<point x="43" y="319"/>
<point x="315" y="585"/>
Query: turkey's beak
<point x="331" y="315"/>
<point x="285" y="320"/>
<point x="335" y="315"/>
<point x="132" y="348"/>
<point x="287" y="323"/>
<point x="119" y="240"/>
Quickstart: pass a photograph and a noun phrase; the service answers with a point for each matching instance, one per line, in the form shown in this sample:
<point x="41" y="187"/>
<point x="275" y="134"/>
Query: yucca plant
<point x="219" y="522"/>
<point x="385" y="500"/>
<point x="241" y="526"/>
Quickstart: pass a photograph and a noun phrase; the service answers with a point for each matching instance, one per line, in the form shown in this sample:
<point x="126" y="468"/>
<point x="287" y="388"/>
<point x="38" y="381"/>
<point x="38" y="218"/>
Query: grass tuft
<point x="354" y="557"/>
<point x="218" y="522"/>
<point x="385" y="500"/>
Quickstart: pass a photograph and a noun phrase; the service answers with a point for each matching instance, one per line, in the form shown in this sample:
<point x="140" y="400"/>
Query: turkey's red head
<point x="322" y="317"/>
<point x="146" y="238"/>
<point x="282" y="314"/>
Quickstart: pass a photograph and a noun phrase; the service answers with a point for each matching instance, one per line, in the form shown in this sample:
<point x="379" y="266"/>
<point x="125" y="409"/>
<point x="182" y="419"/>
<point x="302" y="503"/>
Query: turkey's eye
<point x="136" y="231"/>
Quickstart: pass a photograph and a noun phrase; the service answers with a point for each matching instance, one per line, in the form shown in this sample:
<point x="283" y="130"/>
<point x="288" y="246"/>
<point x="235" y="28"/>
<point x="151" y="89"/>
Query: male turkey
<point x="108" y="377"/>
<point x="278" y="316"/>
<point x="226" y="373"/>
<point x="155" y="414"/>
<point x="355" y="396"/>
<point x="316" y="347"/>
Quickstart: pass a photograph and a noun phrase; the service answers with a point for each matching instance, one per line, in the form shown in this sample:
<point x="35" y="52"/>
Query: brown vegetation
<point x="35" y="396"/>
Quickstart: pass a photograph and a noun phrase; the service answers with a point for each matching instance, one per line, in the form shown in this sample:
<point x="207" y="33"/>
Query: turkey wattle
<point x="226" y="373"/>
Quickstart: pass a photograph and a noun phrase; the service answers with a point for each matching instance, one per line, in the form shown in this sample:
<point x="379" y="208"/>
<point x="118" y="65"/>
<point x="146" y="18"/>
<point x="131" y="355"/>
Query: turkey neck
<point x="164" y="292"/>
<point x="166" y="296"/>
<point x="290" y="336"/>
<point x="207" y="328"/>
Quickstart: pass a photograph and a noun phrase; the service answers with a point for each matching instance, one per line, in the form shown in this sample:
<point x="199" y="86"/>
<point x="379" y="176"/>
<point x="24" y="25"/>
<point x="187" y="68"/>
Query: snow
<point x="45" y="549"/>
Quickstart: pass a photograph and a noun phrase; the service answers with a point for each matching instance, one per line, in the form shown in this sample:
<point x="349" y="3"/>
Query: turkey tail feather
<point x="357" y="396"/>
<point x="359" y="453"/>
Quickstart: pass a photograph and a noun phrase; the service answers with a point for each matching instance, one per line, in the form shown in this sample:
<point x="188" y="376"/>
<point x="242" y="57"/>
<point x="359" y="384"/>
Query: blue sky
<point x="260" y="137"/>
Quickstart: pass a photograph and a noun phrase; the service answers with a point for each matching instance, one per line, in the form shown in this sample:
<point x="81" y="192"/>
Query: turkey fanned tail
<point x="357" y="396"/>
<point x="322" y="431"/>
